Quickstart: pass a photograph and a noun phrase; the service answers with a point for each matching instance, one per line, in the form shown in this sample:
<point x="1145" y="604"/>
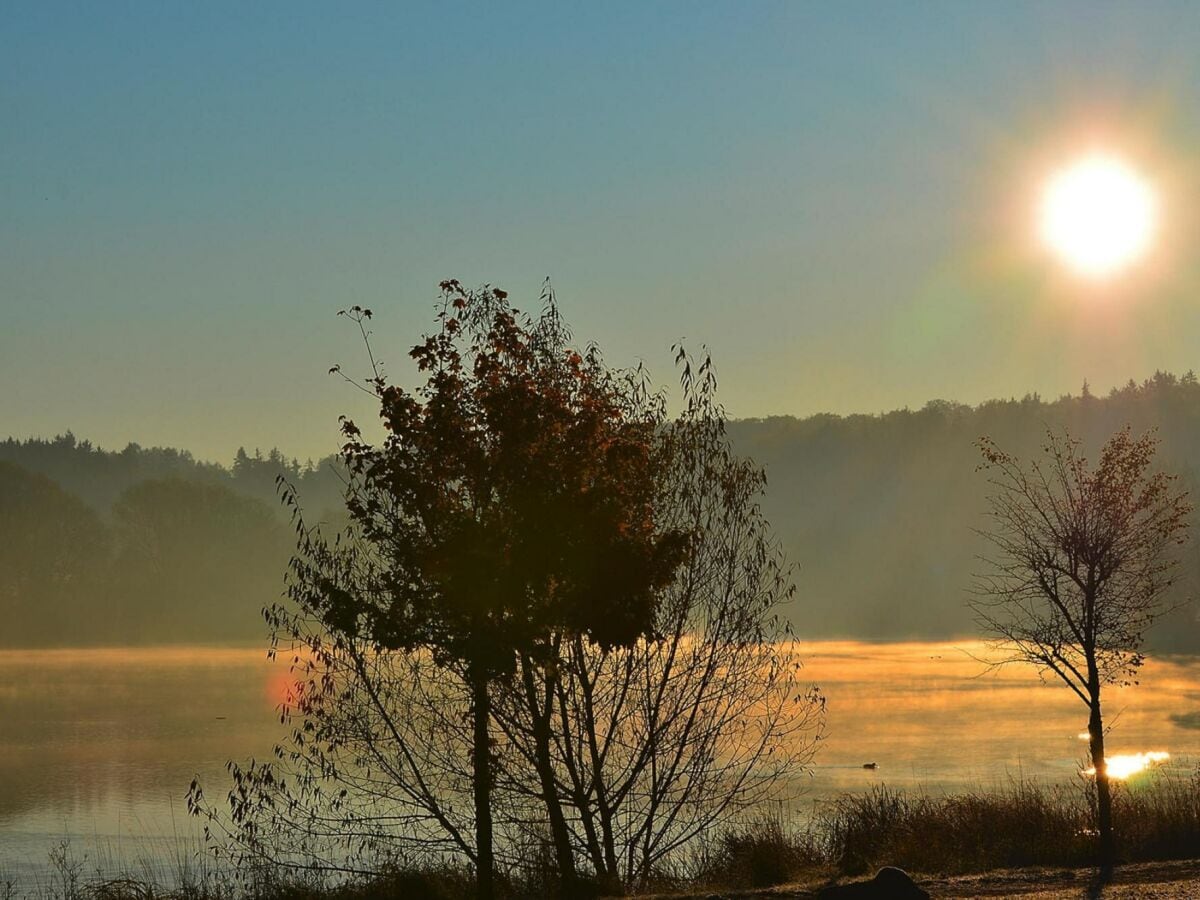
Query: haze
<point x="838" y="204"/>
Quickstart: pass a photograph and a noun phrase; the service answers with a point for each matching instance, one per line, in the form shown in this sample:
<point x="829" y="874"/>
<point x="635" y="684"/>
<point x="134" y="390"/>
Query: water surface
<point x="98" y="747"/>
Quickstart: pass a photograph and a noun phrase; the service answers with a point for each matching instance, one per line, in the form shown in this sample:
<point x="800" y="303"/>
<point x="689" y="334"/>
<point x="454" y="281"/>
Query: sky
<point x="835" y="198"/>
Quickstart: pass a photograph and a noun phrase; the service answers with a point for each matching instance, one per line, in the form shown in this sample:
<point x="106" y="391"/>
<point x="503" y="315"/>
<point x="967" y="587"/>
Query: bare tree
<point x="1084" y="557"/>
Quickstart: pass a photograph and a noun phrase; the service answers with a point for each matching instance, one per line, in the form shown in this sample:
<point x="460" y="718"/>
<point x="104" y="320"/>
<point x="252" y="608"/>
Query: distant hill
<point x="143" y="545"/>
<point x="878" y="511"/>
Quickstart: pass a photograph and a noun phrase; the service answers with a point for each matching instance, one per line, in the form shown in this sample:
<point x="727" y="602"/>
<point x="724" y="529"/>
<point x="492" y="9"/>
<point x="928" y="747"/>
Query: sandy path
<point x="1175" y="880"/>
<point x="1164" y="881"/>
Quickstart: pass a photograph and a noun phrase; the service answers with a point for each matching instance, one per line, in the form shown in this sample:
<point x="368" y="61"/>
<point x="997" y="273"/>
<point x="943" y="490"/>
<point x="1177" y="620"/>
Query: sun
<point x="1099" y="215"/>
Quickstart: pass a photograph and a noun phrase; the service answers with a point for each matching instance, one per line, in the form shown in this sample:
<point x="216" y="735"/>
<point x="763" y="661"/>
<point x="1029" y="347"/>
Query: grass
<point x="1021" y="824"/>
<point x="1025" y="824"/>
<point x="759" y="854"/>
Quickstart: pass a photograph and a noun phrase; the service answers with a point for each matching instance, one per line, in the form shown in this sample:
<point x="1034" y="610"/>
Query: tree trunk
<point x="609" y="871"/>
<point x="1103" y="788"/>
<point x="540" y="711"/>
<point x="481" y="711"/>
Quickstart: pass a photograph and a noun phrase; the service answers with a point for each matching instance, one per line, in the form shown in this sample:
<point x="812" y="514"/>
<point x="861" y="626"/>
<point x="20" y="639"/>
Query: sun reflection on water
<point x="1124" y="765"/>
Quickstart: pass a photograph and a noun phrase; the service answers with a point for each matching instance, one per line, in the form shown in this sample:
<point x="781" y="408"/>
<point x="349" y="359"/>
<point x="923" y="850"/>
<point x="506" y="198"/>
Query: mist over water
<point x="933" y="716"/>
<point x="99" y="745"/>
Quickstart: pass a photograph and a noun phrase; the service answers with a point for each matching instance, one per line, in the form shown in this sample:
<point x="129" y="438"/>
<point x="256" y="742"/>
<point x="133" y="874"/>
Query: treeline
<point x="99" y="477"/>
<point x="141" y="545"/>
<point x="879" y="511"/>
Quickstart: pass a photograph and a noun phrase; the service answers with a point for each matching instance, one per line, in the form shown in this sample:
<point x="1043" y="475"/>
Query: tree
<point x="622" y="728"/>
<point x="655" y="744"/>
<point x="511" y="500"/>
<point x="1083" y="558"/>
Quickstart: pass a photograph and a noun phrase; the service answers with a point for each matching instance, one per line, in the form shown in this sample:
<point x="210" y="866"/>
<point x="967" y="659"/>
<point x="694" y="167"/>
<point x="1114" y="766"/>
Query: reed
<point x="1013" y="825"/>
<point x="1024" y="823"/>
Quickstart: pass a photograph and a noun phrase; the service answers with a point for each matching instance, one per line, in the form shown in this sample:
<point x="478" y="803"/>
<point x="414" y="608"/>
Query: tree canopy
<point x="513" y="492"/>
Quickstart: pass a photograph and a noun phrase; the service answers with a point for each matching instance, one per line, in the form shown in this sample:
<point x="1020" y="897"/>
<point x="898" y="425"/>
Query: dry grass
<point x="1025" y="824"/>
<point x="1022" y="825"/>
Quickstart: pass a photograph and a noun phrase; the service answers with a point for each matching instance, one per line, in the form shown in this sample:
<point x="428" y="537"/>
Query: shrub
<point x="763" y="853"/>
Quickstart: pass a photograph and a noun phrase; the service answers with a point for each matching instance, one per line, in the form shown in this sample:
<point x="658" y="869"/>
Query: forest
<point x="879" y="513"/>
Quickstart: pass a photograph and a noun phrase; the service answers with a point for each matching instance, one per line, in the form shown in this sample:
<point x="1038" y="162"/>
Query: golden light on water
<point x="1123" y="765"/>
<point x="1099" y="215"/>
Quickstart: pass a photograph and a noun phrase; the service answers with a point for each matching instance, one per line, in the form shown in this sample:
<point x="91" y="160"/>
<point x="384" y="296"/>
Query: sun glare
<point x="1123" y="765"/>
<point x="1098" y="215"/>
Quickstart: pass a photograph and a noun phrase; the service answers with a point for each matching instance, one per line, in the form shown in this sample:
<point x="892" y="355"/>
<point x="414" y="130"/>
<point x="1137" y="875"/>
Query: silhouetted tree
<point x="652" y="745"/>
<point x="512" y="499"/>
<point x="1082" y="559"/>
<point x="617" y="753"/>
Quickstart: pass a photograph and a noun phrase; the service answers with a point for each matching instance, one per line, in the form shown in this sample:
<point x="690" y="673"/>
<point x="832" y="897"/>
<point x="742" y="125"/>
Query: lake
<point x="97" y="747"/>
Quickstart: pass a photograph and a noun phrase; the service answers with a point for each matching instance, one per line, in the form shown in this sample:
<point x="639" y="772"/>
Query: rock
<point x="889" y="883"/>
